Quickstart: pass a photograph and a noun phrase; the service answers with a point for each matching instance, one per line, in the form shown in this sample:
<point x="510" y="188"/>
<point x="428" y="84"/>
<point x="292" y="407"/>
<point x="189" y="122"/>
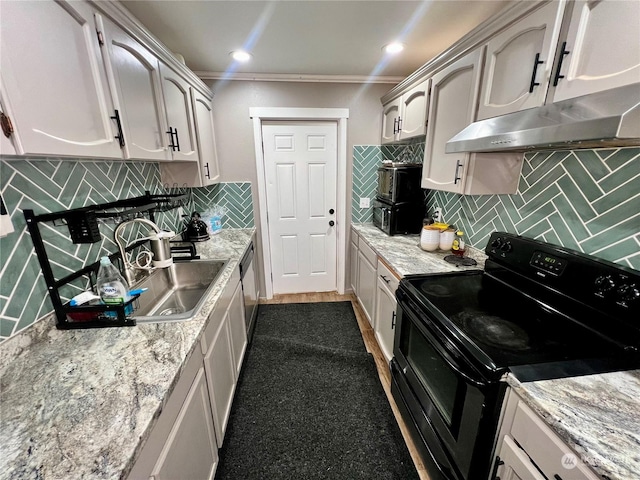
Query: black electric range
<point x="537" y="310"/>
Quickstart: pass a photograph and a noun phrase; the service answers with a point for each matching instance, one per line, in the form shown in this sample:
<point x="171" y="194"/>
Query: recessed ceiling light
<point x="240" y="56"/>
<point x="394" y="47"/>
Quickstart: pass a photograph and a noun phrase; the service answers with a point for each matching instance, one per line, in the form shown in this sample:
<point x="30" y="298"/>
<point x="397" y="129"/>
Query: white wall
<point x="234" y="129"/>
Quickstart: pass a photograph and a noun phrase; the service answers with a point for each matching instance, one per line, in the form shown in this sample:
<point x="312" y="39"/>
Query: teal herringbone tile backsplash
<point x="52" y="185"/>
<point x="235" y="198"/>
<point x="586" y="200"/>
<point x="366" y="160"/>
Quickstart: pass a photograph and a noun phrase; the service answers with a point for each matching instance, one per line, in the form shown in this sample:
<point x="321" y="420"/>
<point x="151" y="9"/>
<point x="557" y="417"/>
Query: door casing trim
<point x="338" y="115"/>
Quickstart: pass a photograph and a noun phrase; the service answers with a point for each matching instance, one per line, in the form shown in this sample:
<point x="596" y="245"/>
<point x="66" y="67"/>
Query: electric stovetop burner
<point x="493" y="331"/>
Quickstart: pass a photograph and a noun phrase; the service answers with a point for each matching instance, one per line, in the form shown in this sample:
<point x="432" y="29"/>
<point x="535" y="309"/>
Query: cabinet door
<point x="135" y="82"/>
<point x="517" y="465"/>
<point x="221" y="378"/>
<point x="603" y="46"/>
<point x="390" y="115"/>
<point x="353" y="272"/>
<point x="454" y="95"/>
<point x="177" y="102"/>
<point x="519" y="63"/>
<point x="191" y="450"/>
<point x="413" y="114"/>
<point x="385" y="318"/>
<point x="237" y="329"/>
<point x="203" y="113"/>
<point x="366" y="286"/>
<point x="54" y="77"/>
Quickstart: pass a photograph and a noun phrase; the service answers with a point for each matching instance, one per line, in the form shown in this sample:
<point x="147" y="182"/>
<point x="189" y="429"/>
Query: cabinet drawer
<point x="368" y="253"/>
<point x="545" y="448"/>
<point x="354" y="237"/>
<point x="388" y="276"/>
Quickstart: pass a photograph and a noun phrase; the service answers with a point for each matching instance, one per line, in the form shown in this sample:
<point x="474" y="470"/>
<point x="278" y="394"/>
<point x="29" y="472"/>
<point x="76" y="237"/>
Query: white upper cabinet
<point x="413" y="111"/>
<point x="390" y="116"/>
<point x="602" y="49"/>
<point x="519" y="62"/>
<point x="181" y="135"/>
<point x="454" y="94"/>
<point x="405" y="116"/>
<point x="54" y="77"/>
<point x="203" y="112"/>
<point x="135" y="84"/>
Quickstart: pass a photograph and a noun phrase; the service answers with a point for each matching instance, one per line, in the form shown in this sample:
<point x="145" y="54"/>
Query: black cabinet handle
<point x="208" y="174"/>
<point x="536" y="62"/>
<point x="385" y="278"/>
<point x="331" y="211"/>
<point x="175" y="130"/>
<point x="399" y="124"/>
<point x="331" y="223"/>
<point x="456" y="177"/>
<point x="393" y="320"/>
<point x="557" y="477"/>
<point x="395" y="126"/>
<point x="496" y="465"/>
<point x="564" y="52"/>
<point x="172" y="145"/>
<point x="120" y="136"/>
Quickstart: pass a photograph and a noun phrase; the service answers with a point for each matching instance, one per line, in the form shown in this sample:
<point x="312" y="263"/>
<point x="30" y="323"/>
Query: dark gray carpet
<point x="309" y="404"/>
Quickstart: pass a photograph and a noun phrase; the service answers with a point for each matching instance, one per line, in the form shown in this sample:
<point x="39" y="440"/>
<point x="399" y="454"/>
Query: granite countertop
<point x="404" y="255"/>
<point x="80" y="403"/>
<point x="597" y="415"/>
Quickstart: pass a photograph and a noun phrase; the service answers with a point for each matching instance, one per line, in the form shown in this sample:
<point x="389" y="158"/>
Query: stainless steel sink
<point x="177" y="292"/>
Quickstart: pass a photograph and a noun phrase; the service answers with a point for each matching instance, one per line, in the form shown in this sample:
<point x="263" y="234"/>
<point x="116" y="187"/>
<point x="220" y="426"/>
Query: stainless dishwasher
<point x="249" y="289"/>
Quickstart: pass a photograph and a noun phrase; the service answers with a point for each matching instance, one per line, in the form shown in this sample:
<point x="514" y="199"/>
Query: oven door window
<point x="443" y="386"/>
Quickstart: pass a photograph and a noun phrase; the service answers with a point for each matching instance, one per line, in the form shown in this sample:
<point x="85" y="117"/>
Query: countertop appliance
<point x="250" y="290"/>
<point x="399" y="182"/>
<point x="537" y="310"/>
<point x="398" y="218"/>
<point x="399" y="205"/>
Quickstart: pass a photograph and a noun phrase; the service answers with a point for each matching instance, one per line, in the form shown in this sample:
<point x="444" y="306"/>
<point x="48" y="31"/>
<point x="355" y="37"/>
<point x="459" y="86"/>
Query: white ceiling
<point x="312" y="37"/>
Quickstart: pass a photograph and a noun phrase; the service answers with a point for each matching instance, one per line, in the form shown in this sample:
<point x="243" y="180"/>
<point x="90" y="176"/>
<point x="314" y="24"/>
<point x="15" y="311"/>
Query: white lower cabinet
<point x="191" y="450"/>
<point x="182" y="443"/>
<point x="237" y="328"/>
<point x="353" y="262"/>
<point x="367" y="264"/>
<point x="385" y="311"/>
<point x="221" y="377"/>
<point x="529" y="450"/>
<point x="185" y="440"/>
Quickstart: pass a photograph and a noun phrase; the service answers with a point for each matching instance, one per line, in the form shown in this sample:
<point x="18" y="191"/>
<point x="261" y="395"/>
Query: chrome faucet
<point x="127" y="266"/>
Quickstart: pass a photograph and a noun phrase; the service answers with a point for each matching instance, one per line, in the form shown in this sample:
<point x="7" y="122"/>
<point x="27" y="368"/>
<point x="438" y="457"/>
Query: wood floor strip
<point x="371" y="344"/>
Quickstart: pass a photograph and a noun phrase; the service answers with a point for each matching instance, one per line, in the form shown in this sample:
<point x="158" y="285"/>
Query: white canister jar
<point x="446" y="239"/>
<point x="430" y="238"/>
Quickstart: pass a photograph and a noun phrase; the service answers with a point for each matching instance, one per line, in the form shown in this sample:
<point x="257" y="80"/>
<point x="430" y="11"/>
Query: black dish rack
<point x="83" y="228"/>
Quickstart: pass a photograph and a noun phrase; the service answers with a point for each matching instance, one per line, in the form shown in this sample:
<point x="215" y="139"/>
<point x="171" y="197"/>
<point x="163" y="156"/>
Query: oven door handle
<point x="423" y="326"/>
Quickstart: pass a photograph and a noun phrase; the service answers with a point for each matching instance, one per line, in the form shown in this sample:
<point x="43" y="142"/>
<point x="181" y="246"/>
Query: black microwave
<point x="399" y="182"/>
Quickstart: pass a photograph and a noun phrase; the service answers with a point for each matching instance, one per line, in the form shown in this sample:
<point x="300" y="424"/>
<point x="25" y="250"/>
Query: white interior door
<point x="301" y="172"/>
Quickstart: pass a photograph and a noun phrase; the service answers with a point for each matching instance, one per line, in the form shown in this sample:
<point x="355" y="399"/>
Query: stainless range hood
<point x="609" y="118"/>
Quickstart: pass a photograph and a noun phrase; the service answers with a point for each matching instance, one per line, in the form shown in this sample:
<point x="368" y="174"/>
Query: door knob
<point x="331" y="211"/>
<point x="331" y="223"/>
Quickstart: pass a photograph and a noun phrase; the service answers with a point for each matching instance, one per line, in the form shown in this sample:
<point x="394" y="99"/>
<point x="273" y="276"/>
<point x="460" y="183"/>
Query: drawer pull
<point x="385" y="278"/>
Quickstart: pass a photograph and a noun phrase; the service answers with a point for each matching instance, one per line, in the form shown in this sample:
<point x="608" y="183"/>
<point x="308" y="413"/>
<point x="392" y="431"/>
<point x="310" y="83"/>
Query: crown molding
<point x="472" y="40"/>
<point x="292" y="77"/>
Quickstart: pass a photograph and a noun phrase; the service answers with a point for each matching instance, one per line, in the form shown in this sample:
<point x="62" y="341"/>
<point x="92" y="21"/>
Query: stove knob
<point x="604" y="284"/>
<point x="497" y="243"/>
<point x="628" y="293"/>
<point x="506" y="247"/>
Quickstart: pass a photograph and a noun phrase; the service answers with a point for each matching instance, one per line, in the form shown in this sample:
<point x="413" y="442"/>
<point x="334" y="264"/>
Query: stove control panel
<point x="549" y="263"/>
<point x="604" y="286"/>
